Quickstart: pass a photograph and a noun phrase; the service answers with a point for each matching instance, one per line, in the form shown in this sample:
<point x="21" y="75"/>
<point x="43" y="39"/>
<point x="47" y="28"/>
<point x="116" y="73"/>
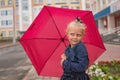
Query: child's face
<point x="74" y="35"/>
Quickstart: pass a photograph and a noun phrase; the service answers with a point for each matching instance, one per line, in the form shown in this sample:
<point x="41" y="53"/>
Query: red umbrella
<point x="45" y="40"/>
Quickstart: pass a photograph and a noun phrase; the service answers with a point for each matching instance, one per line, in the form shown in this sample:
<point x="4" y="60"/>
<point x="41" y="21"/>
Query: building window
<point x="25" y="19"/>
<point x="103" y="1"/>
<point x="9" y="2"/>
<point x="35" y="1"/>
<point x="6" y="22"/>
<point x="118" y="22"/>
<point x="17" y="12"/>
<point x="9" y="22"/>
<point x="36" y="11"/>
<point x="41" y="1"/>
<point x="10" y="12"/>
<point x="3" y="23"/>
<point x="10" y="33"/>
<point x="24" y="5"/>
<point x="74" y="2"/>
<point x="6" y="12"/>
<point x="64" y="0"/>
<point x="3" y="34"/>
<point x="17" y="2"/>
<point x="57" y="1"/>
<point x="39" y="9"/>
<point x="78" y="7"/>
<point x="2" y="13"/>
<point x="17" y="22"/>
<point x="48" y="2"/>
<point x="2" y="3"/>
<point x="64" y="6"/>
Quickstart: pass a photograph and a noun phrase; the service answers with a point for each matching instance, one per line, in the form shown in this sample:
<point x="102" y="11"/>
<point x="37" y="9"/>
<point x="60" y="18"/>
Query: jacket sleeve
<point x="82" y="61"/>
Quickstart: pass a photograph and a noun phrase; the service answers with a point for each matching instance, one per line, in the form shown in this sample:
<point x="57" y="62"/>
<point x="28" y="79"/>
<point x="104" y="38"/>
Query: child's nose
<point x="75" y="36"/>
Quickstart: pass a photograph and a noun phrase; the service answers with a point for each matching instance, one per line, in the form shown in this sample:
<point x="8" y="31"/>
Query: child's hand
<point x="63" y="57"/>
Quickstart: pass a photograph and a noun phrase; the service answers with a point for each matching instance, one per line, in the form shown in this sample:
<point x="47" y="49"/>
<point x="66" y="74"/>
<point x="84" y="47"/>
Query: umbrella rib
<point x="64" y="41"/>
<point x="65" y="44"/>
<point x="96" y="46"/>
<point x="54" y="22"/>
<point x="48" y="38"/>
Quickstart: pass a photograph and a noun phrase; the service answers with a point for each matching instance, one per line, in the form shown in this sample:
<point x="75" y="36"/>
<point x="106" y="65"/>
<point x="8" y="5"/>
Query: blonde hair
<point x="76" y="23"/>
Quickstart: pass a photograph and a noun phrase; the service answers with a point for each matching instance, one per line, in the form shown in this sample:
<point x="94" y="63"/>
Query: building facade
<point x="8" y="17"/>
<point x="17" y="15"/>
<point x="107" y="14"/>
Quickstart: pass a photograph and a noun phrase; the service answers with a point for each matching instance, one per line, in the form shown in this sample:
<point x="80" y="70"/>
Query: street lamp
<point x="14" y="32"/>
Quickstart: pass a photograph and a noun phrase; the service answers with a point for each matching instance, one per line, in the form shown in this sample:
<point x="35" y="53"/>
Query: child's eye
<point x="79" y="35"/>
<point x="72" y="34"/>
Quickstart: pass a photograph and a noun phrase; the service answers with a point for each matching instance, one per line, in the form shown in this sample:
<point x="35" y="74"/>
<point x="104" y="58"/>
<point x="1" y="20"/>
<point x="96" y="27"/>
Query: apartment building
<point x="17" y="15"/>
<point x="8" y="18"/>
<point x="107" y="14"/>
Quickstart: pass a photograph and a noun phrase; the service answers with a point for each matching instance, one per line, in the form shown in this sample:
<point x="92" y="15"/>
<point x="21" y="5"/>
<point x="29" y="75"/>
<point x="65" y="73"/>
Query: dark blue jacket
<point x="77" y="59"/>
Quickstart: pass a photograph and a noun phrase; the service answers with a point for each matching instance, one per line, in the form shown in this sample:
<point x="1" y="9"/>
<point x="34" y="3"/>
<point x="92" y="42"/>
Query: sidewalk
<point x="112" y="53"/>
<point x="4" y="44"/>
<point x="32" y="75"/>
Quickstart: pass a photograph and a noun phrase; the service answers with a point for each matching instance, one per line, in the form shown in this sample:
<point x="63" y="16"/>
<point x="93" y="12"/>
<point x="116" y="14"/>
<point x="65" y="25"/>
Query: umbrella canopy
<point x="45" y="40"/>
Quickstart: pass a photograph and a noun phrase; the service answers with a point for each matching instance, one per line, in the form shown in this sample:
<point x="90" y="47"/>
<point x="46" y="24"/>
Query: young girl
<point x="75" y="59"/>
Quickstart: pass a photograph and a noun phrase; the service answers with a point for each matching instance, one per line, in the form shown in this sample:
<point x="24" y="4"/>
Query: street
<point x="14" y="63"/>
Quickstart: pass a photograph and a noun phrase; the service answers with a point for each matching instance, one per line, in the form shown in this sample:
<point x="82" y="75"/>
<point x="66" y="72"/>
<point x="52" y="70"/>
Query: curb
<point x="26" y="76"/>
<point x="8" y="45"/>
